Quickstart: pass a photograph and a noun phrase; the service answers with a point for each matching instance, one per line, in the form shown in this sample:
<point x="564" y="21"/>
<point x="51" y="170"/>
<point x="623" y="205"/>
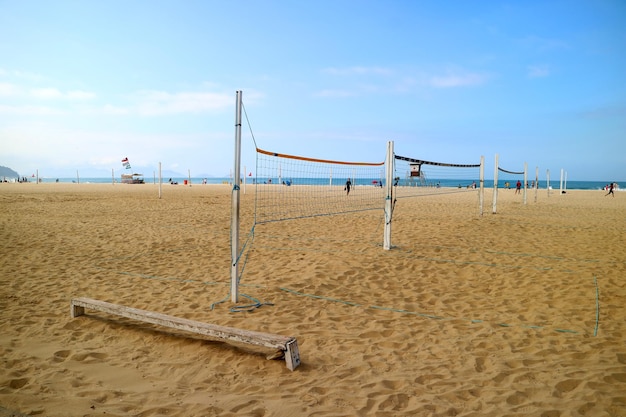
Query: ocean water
<point x="570" y="185"/>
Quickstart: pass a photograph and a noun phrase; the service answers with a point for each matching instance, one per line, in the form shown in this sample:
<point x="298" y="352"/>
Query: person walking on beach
<point x="347" y="187"/>
<point x="611" y="186"/>
<point x="518" y="187"/>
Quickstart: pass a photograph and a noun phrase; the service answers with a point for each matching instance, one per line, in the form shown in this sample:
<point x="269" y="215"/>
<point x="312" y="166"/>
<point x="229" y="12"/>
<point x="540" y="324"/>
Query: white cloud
<point x="538" y="71"/>
<point x="358" y="71"/>
<point x="27" y="75"/>
<point x="334" y="94"/>
<point x="46" y="93"/>
<point x="54" y="93"/>
<point x="80" y="95"/>
<point x="30" y="110"/>
<point x="457" y="80"/>
<point x="114" y="110"/>
<point x="20" y="74"/>
<point x="145" y="103"/>
<point x="399" y="83"/>
<point x="7" y="89"/>
<point x="154" y="103"/>
<point x="543" y="44"/>
<point x="617" y="111"/>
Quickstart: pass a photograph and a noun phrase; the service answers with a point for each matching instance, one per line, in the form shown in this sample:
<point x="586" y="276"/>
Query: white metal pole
<point x="77" y="177"/>
<point x="389" y="200"/>
<point x="234" y="222"/>
<point x="561" y="183"/>
<point x="113" y="176"/>
<point x="525" y="180"/>
<point x="536" y="182"/>
<point x="548" y="181"/>
<point x="495" y="186"/>
<point x="160" y="180"/>
<point x="37" y="179"/>
<point x="481" y="197"/>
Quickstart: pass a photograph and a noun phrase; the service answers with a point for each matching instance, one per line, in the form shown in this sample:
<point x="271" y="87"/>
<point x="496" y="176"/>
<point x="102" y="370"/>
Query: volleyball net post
<point x="235" y="205"/>
<point x="536" y="182"/>
<point x="494" y="202"/>
<point x="563" y="182"/>
<point x="389" y="198"/>
<point x="160" y="181"/>
<point x="548" y="181"/>
<point x="497" y="170"/>
<point x="481" y="181"/>
<point x="525" y="181"/>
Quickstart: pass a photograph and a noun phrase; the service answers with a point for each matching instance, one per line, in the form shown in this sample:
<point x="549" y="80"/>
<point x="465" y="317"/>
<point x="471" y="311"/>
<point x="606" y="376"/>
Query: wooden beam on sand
<point x="288" y="345"/>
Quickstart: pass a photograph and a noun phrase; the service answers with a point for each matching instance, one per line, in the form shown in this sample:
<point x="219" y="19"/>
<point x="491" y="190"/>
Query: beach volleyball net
<point x="291" y="187"/>
<point x="508" y="179"/>
<point x="416" y="177"/>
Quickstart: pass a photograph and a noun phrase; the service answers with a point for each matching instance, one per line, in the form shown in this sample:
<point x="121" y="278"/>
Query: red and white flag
<point x="125" y="163"/>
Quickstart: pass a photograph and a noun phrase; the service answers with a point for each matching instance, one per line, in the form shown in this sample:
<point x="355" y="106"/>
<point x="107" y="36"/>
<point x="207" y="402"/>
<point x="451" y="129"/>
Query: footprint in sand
<point x="479" y="364"/>
<point x="567" y="385"/>
<point x="517" y="398"/>
<point x="61" y="355"/>
<point x="89" y="357"/>
<point x="18" y="383"/>
<point x="613" y="378"/>
<point x="551" y="413"/>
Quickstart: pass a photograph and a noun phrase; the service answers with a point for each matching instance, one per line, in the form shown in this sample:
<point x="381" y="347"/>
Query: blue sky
<point x="84" y="84"/>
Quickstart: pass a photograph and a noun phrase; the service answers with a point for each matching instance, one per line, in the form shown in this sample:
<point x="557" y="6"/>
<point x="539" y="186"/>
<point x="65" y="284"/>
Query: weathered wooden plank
<point x="285" y="343"/>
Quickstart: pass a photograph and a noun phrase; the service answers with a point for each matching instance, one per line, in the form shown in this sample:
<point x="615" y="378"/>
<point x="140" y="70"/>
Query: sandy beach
<point x="520" y="313"/>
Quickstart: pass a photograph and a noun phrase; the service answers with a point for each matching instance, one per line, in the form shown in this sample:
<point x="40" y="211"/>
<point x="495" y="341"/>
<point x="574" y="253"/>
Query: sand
<point x="520" y="313"/>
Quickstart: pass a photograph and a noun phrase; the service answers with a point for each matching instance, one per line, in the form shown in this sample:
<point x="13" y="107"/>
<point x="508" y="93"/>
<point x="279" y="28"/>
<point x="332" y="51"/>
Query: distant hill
<point x="8" y="172"/>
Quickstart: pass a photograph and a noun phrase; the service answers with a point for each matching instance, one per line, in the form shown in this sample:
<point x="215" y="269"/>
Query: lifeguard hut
<point x="416" y="175"/>
<point x="132" y="179"/>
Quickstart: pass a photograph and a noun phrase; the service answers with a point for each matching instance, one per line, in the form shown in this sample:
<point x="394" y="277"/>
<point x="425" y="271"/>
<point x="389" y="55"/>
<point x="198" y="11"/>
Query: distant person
<point x="611" y="187"/>
<point x="347" y="187"/>
<point x="518" y="187"/>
